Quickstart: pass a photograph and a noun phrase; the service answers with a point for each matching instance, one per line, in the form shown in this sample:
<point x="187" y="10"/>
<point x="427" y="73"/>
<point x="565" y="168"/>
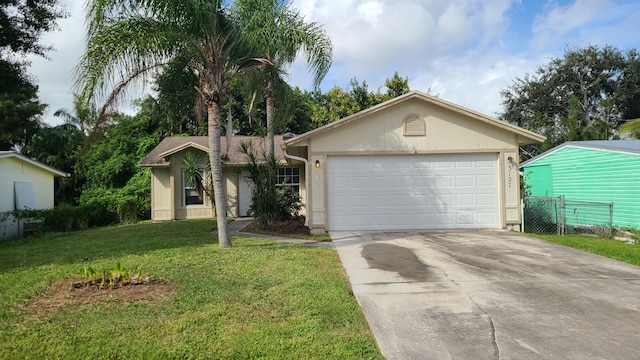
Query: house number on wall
<point x="509" y="178"/>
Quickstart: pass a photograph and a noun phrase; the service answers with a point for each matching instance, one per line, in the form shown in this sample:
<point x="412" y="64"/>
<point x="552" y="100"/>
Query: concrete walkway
<point x="235" y="228"/>
<point x="491" y="295"/>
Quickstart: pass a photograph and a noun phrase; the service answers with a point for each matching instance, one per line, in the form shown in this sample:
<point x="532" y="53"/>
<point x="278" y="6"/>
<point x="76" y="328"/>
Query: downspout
<point x="306" y="180"/>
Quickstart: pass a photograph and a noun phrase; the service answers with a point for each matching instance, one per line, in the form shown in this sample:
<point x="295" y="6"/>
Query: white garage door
<point x="412" y="192"/>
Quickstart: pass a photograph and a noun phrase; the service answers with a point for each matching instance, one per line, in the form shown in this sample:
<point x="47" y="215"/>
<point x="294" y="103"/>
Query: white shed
<point x="24" y="184"/>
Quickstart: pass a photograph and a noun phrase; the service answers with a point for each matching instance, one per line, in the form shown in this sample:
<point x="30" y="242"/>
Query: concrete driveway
<point x="491" y="295"/>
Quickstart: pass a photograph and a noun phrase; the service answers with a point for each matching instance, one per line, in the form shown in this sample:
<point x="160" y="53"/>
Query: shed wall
<point x="594" y="175"/>
<point x="15" y="170"/>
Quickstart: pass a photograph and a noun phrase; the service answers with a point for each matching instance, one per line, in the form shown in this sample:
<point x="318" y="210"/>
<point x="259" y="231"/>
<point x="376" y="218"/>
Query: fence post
<point x="563" y="215"/>
<point x="521" y="215"/>
<point x="611" y="219"/>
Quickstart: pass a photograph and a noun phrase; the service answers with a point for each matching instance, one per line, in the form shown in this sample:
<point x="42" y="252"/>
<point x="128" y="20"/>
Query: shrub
<point x="269" y="202"/>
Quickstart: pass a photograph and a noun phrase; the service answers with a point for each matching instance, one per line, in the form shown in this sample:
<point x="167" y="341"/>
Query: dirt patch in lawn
<point x="65" y="292"/>
<point x="295" y="226"/>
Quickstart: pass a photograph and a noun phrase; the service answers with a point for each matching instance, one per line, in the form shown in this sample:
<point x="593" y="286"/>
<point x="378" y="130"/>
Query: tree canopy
<point x="585" y="95"/>
<point x="21" y="26"/>
<point x="20" y="108"/>
<point x="22" y="23"/>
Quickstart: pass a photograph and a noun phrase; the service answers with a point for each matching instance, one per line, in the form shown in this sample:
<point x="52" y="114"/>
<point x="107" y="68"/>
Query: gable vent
<point x="414" y="125"/>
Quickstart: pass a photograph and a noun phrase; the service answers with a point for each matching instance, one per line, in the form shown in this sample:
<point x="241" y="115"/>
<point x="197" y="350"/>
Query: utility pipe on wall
<point x="306" y="181"/>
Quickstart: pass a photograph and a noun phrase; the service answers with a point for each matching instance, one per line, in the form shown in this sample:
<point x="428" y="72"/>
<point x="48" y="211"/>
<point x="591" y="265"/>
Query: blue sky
<point x="465" y="51"/>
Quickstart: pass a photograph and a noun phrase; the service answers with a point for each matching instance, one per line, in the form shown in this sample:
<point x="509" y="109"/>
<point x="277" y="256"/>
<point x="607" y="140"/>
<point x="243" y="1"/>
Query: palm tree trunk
<point x="213" y="113"/>
<point x="270" y="115"/>
<point x="229" y="132"/>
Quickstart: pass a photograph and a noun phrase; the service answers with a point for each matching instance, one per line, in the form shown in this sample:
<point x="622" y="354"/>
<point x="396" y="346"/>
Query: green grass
<point x="259" y="299"/>
<point x="319" y="238"/>
<point x="614" y="249"/>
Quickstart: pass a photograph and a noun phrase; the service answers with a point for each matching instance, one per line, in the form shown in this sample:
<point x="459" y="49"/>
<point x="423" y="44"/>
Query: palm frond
<point x="631" y="128"/>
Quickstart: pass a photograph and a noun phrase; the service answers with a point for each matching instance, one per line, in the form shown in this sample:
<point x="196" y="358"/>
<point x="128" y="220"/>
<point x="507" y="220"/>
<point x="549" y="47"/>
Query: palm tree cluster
<point x="130" y="40"/>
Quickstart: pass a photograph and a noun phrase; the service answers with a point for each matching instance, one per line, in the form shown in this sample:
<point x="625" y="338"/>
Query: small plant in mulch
<point x="113" y="278"/>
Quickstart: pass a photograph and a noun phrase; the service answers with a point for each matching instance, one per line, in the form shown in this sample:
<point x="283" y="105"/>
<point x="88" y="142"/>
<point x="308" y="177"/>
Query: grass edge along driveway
<point x="613" y="249"/>
<point x="259" y="299"/>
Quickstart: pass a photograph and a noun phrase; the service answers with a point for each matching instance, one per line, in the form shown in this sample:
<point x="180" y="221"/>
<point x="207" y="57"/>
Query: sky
<point x="464" y="51"/>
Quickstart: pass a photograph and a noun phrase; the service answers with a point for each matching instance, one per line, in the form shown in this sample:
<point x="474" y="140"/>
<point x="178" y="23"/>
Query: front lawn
<point x="614" y="249"/>
<point x="259" y="299"/>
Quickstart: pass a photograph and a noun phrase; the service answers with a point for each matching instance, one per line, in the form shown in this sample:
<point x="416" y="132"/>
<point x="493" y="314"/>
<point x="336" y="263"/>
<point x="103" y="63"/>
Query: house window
<point x="191" y="194"/>
<point x="289" y="176"/>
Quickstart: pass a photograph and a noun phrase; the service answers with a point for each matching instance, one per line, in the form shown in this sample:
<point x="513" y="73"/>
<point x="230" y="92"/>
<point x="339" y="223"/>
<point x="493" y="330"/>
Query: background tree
<point x="179" y="105"/>
<point x="338" y="103"/>
<point x="83" y="116"/>
<point x="631" y="128"/>
<point x="280" y="33"/>
<point x="396" y="86"/>
<point x="584" y="95"/>
<point x="20" y="108"/>
<point x="138" y="38"/>
<point x="22" y="23"/>
<point x="112" y="178"/>
<point x="58" y="147"/>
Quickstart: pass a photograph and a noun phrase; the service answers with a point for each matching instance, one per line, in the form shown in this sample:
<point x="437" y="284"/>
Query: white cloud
<point x="54" y="75"/>
<point x="557" y="22"/>
<point x="463" y="49"/>
<point x="418" y="40"/>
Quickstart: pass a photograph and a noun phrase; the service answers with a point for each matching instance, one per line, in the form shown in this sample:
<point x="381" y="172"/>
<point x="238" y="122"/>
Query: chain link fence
<point x="556" y="215"/>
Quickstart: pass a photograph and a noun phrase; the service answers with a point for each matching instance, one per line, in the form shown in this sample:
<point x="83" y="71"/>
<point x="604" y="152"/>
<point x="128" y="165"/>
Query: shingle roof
<point x="9" y="154"/>
<point x="171" y="145"/>
<point x="622" y="146"/>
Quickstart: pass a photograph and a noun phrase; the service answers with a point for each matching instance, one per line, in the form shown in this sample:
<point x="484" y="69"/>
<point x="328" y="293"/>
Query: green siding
<point x="592" y="175"/>
<point x="539" y="180"/>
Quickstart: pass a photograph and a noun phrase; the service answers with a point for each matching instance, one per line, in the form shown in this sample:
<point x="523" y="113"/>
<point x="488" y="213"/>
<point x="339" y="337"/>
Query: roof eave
<point x="184" y="146"/>
<point x="38" y="164"/>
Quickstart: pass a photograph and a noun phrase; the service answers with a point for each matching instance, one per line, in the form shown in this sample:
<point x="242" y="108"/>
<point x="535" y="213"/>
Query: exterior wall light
<point x="317" y="164"/>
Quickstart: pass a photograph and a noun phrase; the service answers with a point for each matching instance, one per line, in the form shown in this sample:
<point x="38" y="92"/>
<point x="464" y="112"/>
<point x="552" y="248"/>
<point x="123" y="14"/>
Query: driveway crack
<point x="494" y="339"/>
<point x="492" y="326"/>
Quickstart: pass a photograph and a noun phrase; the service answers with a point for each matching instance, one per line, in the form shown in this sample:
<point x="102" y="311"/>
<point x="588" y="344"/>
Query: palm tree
<point x="631" y="128"/>
<point x="84" y="116"/>
<point x="130" y="40"/>
<point x="280" y="33"/>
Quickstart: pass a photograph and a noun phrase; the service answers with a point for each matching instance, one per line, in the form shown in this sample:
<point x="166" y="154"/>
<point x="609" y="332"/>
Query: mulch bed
<point x="295" y="226"/>
<point x="64" y="292"/>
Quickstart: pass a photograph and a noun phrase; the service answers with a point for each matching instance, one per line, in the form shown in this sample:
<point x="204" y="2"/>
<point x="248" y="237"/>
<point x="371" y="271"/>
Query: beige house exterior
<point x="413" y="162"/>
<point x="24" y="184"/>
<point x="173" y="199"/>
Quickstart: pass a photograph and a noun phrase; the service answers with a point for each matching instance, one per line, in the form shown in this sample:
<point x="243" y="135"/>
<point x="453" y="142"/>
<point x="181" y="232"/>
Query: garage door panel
<point x="486" y="180"/>
<point x="487" y="200"/>
<point x="465" y="181"/>
<point x="412" y="191"/>
<point x="465" y="200"/>
<point x="464" y="219"/>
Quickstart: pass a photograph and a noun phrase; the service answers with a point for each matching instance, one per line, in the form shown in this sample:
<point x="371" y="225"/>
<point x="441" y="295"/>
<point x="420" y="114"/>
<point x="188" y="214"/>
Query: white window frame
<point x="284" y="177"/>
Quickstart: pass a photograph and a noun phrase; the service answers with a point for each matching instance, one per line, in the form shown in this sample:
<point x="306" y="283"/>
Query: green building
<point x="599" y="171"/>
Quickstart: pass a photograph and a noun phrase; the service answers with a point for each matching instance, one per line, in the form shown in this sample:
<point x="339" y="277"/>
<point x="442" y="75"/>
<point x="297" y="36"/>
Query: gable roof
<point x="174" y="144"/>
<point x="524" y="136"/>
<point x="38" y="164"/>
<point x="631" y="147"/>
